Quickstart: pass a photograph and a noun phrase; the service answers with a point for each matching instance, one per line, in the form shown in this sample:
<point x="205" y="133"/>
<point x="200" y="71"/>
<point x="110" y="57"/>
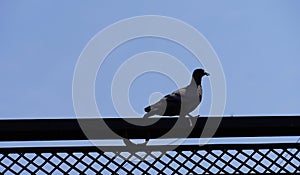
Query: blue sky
<point x="258" y="44"/>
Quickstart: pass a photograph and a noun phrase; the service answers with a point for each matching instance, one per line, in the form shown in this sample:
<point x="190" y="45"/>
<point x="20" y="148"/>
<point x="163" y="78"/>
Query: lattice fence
<point x="215" y="159"/>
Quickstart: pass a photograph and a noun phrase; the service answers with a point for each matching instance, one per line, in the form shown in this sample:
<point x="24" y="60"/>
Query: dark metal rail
<point x="69" y="129"/>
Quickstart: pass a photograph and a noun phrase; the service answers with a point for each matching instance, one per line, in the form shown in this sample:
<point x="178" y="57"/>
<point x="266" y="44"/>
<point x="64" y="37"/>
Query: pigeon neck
<point x="196" y="82"/>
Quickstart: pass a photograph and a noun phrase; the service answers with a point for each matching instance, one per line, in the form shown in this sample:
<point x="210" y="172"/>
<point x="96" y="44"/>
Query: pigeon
<point x="181" y="102"/>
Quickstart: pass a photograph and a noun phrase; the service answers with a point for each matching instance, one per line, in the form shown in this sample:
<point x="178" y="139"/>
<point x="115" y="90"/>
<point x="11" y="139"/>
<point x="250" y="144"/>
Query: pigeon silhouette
<point x="181" y="102"/>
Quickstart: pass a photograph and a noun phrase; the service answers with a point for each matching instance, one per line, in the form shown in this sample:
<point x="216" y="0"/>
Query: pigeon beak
<point x="207" y="74"/>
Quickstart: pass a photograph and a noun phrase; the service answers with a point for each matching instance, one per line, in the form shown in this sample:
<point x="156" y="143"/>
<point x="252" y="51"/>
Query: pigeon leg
<point x="191" y="123"/>
<point x="192" y="119"/>
<point x="189" y="115"/>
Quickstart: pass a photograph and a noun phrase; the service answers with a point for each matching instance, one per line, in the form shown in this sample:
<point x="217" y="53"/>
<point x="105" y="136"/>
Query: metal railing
<point x="215" y="158"/>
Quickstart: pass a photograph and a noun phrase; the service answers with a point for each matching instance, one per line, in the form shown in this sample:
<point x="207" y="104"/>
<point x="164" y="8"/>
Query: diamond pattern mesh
<point x="180" y="161"/>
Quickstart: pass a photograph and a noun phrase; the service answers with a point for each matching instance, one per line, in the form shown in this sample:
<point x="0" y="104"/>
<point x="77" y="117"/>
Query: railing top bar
<point x="69" y="129"/>
<point x="149" y="148"/>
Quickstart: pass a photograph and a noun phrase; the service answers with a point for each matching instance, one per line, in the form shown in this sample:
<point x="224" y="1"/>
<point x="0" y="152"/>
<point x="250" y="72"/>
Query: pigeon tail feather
<point x="148" y="109"/>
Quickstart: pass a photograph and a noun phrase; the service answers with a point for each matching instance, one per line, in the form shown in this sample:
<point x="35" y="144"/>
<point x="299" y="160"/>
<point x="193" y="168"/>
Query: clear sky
<point x="258" y="44"/>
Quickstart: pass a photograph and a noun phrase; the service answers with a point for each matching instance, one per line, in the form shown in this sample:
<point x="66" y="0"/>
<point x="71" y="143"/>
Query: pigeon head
<point x="198" y="74"/>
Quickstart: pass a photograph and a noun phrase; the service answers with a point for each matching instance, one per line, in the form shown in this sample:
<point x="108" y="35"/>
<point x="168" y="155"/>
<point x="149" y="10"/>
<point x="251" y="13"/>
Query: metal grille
<point x="213" y="159"/>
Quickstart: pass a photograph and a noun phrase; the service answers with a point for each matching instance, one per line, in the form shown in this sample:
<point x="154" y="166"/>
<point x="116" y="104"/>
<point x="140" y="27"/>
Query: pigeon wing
<point x="170" y="104"/>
